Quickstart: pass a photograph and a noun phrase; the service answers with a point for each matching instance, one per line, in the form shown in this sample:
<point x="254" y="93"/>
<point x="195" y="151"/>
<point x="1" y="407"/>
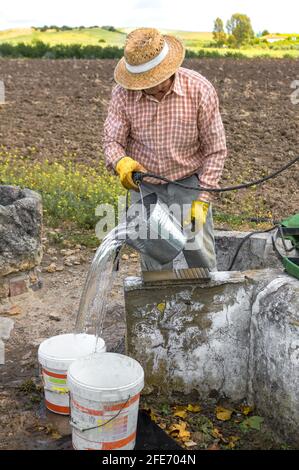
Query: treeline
<point x="44" y="28"/>
<point x="41" y="50"/>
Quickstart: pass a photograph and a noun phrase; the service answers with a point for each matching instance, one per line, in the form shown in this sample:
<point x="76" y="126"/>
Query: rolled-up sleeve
<point x="212" y="142"/>
<point x="116" y="128"/>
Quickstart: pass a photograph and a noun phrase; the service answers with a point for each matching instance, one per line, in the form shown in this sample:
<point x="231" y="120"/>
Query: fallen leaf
<point x="216" y="433"/>
<point x="223" y="414"/>
<point x="194" y="408"/>
<point x="190" y="443"/>
<point x="254" y="422"/>
<point x="55" y="435"/>
<point x="180" y="431"/>
<point x="232" y="440"/>
<point x="180" y="414"/>
<point x="161" y="307"/>
<point x="162" y="425"/>
<point x="180" y="411"/>
<point x="246" y="409"/>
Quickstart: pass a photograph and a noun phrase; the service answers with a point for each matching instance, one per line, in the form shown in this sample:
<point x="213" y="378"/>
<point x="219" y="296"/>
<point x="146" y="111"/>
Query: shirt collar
<point x="176" y="87"/>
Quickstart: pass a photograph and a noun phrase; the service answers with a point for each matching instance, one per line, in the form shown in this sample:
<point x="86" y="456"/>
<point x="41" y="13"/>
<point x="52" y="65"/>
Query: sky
<point x="187" y="15"/>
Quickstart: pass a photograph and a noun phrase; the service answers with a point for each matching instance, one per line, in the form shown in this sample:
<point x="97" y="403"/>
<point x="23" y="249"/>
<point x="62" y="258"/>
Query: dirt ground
<point x="59" y="106"/>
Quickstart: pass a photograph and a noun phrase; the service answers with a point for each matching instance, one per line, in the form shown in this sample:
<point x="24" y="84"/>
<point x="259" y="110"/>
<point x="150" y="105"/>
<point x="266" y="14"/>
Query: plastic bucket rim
<point x="44" y="358"/>
<point x="71" y="380"/>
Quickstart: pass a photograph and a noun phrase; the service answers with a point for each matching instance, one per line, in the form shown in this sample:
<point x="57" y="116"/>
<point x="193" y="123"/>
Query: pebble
<point x="51" y="251"/>
<point x="68" y="262"/>
<point x="60" y="268"/>
<point x="12" y="310"/>
<point x="54" y="317"/>
<point x="51" y="268"/>
<point x="26" y="356"/>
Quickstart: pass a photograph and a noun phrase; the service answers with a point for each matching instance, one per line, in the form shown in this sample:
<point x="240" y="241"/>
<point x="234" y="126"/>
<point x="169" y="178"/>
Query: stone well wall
<point x="236" y="336"/>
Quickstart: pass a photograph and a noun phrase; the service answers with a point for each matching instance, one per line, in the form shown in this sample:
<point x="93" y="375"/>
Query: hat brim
<point x="155" y="76"/>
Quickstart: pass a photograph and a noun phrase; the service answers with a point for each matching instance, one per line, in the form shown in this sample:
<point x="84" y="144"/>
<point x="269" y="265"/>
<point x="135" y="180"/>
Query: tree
<point x="240" y="30"/>
<point x="218" y="32"/>
<point x="265" y="32"/>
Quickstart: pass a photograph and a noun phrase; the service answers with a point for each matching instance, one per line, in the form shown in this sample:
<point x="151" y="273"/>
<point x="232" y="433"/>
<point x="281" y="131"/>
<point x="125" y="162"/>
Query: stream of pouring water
<point x="93" y="302"/>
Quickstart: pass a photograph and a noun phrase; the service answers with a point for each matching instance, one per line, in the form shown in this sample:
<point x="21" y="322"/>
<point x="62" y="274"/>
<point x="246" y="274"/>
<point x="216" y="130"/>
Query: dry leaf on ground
<point x="180" y="412"/>
<point x="190" y="443"/>
<point x="179" y="430"/>
<point x="223" y="414"/>
<point x="246" y="409"/>
<point x="194" y="408"/>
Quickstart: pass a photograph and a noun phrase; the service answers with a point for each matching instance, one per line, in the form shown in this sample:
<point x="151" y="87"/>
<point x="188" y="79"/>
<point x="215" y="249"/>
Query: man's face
<point x="160" y="90"/>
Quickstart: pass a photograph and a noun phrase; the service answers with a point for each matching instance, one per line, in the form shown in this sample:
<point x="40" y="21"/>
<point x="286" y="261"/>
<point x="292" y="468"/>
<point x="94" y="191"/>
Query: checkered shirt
<point x="176" y="137"/>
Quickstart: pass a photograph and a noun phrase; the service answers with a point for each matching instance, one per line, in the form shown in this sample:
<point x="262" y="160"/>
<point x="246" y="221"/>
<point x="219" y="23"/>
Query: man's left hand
<point x="197" y="215"/>
<point x="199" y="211"/>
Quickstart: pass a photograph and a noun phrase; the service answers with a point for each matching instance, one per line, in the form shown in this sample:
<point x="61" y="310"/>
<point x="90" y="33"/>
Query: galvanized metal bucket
<point x="153" y="230"/>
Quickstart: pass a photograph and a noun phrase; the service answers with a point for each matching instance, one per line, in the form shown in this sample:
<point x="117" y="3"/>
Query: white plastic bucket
<point x="55" y="356"/>
<point x="105" y="390"/>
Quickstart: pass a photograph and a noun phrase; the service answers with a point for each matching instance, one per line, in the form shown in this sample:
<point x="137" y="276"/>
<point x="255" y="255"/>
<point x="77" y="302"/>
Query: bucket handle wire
<point x="72" y="422"/>
<point x="76" y="426"/>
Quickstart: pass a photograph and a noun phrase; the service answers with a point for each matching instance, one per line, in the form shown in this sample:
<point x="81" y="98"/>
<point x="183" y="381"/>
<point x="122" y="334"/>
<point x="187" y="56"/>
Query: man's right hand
<point x="125" y="167"/>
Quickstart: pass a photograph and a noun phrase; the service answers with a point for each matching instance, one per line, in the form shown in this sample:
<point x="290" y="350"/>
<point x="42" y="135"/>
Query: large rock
<point x="20" y="229"/>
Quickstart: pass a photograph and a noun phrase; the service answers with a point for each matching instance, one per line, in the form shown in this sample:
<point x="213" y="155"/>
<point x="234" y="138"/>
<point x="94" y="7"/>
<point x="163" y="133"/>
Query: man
<point x="164" y="119"/>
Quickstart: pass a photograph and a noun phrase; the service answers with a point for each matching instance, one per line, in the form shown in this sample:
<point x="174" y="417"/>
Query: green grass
<point x="193" y="41"/>
<point x="70" y="191"/>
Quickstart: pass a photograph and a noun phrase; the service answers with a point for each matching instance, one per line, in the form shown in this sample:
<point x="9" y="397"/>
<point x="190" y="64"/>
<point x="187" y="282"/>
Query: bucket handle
<point x="79" y="428"/>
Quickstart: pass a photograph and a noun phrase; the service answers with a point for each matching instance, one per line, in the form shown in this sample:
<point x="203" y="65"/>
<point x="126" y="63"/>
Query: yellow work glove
<point x="125" y="167"/>
<point x="199" y="211"/>
<point x="198" y="214"/>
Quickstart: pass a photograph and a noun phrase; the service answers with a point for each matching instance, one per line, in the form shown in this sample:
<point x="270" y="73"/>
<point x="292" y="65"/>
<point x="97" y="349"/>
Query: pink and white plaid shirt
<point x="176" y="137"/>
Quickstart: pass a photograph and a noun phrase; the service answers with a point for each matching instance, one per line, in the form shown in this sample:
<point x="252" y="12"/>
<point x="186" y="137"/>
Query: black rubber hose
<point x="138" y="177"/>
<point x="244" y="240"/>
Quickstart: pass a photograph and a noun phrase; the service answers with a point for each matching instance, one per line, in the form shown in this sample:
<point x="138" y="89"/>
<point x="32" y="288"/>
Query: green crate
<point x="291" y="266"/>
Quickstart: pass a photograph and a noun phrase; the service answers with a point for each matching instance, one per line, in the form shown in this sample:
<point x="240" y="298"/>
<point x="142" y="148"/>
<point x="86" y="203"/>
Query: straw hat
<point x="149" y="59"/>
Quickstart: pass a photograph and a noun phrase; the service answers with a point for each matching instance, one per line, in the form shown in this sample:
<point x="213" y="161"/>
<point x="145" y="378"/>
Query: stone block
<point x="256" y="253"/>
<point x="20" y="229"/>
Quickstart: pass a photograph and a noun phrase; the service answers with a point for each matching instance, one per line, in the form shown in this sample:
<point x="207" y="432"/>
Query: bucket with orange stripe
<point x="55" y="355"/>
<point x="105" y="390"/>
